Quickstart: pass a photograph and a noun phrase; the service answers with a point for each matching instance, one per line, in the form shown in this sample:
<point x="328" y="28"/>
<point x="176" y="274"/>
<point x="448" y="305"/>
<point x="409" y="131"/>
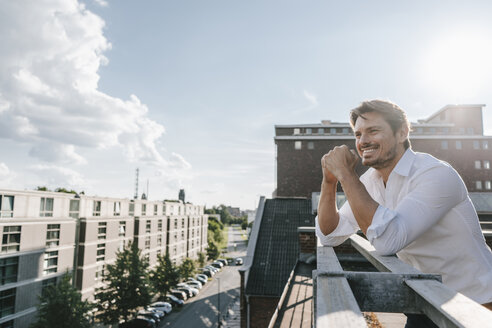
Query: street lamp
<point x="218" y="304"/>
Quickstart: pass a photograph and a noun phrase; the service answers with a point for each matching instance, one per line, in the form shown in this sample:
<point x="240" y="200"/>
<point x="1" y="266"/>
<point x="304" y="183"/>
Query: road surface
<point x="201" y="311"/>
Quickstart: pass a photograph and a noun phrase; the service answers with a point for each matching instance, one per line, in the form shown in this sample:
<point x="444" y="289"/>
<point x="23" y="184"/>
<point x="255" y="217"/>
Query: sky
<point x="189" y="91"/>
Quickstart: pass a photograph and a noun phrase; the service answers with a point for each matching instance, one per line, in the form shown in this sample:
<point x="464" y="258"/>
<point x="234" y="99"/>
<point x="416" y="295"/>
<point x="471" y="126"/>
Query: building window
<point x="131" y="209"/>
<point x="159" y="240"/>
<point x="117" y="208"/>
<point x="159" y="225"/>
<point x="297" y="144"/>
<point x="122" y="229"/>
<point x="420" y="130"/>
<point x="310" y="145"/>
<point x="101" y="251"/>
<point x="97" y="208"/>
<point x="175" y="223"/>
<point x="144" y="209"/>
<point x="476" y="144"/>
<point x="101" y="230"/>
<point x="309" y="131"/>
<point x="182" y="234"/>
<point x="6" y="206"/>
<point x="46" y="208"/>
<point x="478" y="184"/>
<point x="486" y="165"/>
<point x="47" y="284"/>
<point x="155" y="209"/>
<point x="333" y="131"/>
<point x="488" y="185"/>
<point x="122" y="245"/>
<point x="445" y="130"/>
<point x="50" y="262"/>
<point x="458" y="144"/>
<point x="8" y="270"/>
<point x="7" y="302"/>
<point x="478" y="165"/>
<point x="345" y="130"/>
<point x="182" y="223"/>
<point x="11" y="239"/>
<point x="321" y="131"/>
<point x="444" y="144"/>
<point x="163" y="209"/>
<point x="74" y="208"/>
<point x="147" y="242"/>
<point x="52" y="235"/>
<point x="470" y="131"/>
<point x="462" y="130"/>
<point x="147" y="226"/>
<point x="485" y="144"/>
<point x="432" y="130"/>
<point x="297" y="131"/>
<point x="99" y="272"/>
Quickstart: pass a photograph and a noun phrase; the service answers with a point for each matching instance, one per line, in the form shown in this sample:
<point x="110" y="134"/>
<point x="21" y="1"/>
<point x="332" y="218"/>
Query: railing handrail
<point x="336" y="304"/>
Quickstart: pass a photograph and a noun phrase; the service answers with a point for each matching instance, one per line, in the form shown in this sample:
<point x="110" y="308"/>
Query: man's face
<point x="376" y="143"/>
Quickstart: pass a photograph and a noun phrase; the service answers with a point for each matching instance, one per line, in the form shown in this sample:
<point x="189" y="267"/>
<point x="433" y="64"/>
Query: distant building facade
<point x="46" y="234"/>
<point x="453" y="134"/>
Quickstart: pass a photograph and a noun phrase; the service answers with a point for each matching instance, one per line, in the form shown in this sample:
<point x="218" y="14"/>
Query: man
<point x="407" y="203"/>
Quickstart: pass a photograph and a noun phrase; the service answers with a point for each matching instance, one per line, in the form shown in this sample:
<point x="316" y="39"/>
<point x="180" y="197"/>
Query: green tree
<point x="61" y="306"/>
<point x="165" y="275"/>
<point x="201" y="259"/>
<point x="127" y="286"/>
<point x="61" y="189"/>
<point x="187" y="268"/>
<point x="42" y="188"/>
<point x="212" y="251"/>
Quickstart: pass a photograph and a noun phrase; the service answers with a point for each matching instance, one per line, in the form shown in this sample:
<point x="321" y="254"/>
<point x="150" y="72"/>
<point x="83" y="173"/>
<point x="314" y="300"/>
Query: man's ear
<point x="402" y="133"/>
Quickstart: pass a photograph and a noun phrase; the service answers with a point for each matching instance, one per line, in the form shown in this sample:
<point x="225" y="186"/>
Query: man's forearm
<point x="361" y="203"/>
<point x="327" y="208"/>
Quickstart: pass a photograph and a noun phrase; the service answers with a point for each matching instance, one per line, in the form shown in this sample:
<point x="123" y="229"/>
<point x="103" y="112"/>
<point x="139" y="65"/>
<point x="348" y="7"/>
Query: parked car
<point x="193" y="291"/>
<point x="213" y="268"/>
<point x="194" y="284"/>
<point x="162" y="306"/>
<point x="217" y="264"/>
<point x="207" y="272"/>
<point x="150" y="315"/>
<point x="161" y="314"/>
<point x="230" y="261"/>
<point x="223" y="261"/>
<point x="176" y="302"/>
<point x="239" y="261"/>
<point x="139" y="322"/>
<point x="179" y="294"/>
<point x="202" y="278"/>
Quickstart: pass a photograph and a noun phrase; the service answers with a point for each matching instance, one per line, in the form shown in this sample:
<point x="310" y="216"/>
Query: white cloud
<point x="101" y="3"/>
<point x="311" y="98"/>
<point x="49" y="95"/>
<point x="57" y="176"/>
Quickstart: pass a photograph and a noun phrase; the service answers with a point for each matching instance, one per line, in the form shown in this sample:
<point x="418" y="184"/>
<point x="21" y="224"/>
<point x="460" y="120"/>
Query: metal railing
<point x="341" y="296"/>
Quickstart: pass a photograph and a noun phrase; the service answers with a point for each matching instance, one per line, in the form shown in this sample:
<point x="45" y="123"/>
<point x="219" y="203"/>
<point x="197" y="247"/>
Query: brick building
<point x="453" y="134"/>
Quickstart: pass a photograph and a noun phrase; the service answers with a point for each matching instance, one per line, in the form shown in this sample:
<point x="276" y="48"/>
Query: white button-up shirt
<point x="426" y="217"/>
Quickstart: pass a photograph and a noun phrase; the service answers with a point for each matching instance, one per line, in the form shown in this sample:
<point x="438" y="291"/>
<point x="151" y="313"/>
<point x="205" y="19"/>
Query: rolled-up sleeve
<point x="347" y="225"/>
<point x="434" y="192"/>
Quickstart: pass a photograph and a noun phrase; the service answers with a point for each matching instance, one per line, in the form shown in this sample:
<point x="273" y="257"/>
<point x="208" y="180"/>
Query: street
<point x="201" y="310"/>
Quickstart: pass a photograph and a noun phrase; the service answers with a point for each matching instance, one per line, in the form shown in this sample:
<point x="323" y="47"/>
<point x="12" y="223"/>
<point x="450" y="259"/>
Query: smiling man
<point x="407" y="203"/>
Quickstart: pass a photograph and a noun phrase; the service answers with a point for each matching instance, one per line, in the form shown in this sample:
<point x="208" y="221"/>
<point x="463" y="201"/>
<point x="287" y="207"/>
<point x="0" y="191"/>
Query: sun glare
<point x="459" y="64"/>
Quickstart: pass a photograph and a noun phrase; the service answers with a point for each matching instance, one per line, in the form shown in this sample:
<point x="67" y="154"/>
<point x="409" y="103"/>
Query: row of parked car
<point x="152" y="315"/>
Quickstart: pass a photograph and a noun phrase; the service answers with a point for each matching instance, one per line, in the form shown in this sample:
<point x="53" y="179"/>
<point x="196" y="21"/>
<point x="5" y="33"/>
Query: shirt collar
<point x="405" y="163"/>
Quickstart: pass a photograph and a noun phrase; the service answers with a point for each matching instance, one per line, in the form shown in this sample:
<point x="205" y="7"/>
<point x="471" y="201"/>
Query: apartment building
<point x="453" y="134"/>
<point x="47" y="234"/>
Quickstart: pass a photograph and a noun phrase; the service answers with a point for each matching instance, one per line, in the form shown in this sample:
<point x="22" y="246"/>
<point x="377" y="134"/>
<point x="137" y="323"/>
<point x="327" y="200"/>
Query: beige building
<point x="46" y="234"/>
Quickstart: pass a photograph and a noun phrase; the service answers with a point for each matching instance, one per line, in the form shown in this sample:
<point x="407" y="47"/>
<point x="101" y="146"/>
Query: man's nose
<point x="363" y="139"/>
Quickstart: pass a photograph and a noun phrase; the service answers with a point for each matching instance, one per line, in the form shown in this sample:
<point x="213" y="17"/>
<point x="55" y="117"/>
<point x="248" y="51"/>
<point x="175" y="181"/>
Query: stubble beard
<point x="382" y="161"/>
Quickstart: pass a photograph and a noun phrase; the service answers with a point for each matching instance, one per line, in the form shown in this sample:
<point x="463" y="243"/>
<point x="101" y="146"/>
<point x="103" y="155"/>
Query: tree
<point x="187" y="268"/>
<point x="42" y="188"/>
<point x="165" y="275"/>
<point x="61" y="306"/>
<point x="212" y="250"/>
<point x="201" y="259"/>
<point x="127" y="286"/>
